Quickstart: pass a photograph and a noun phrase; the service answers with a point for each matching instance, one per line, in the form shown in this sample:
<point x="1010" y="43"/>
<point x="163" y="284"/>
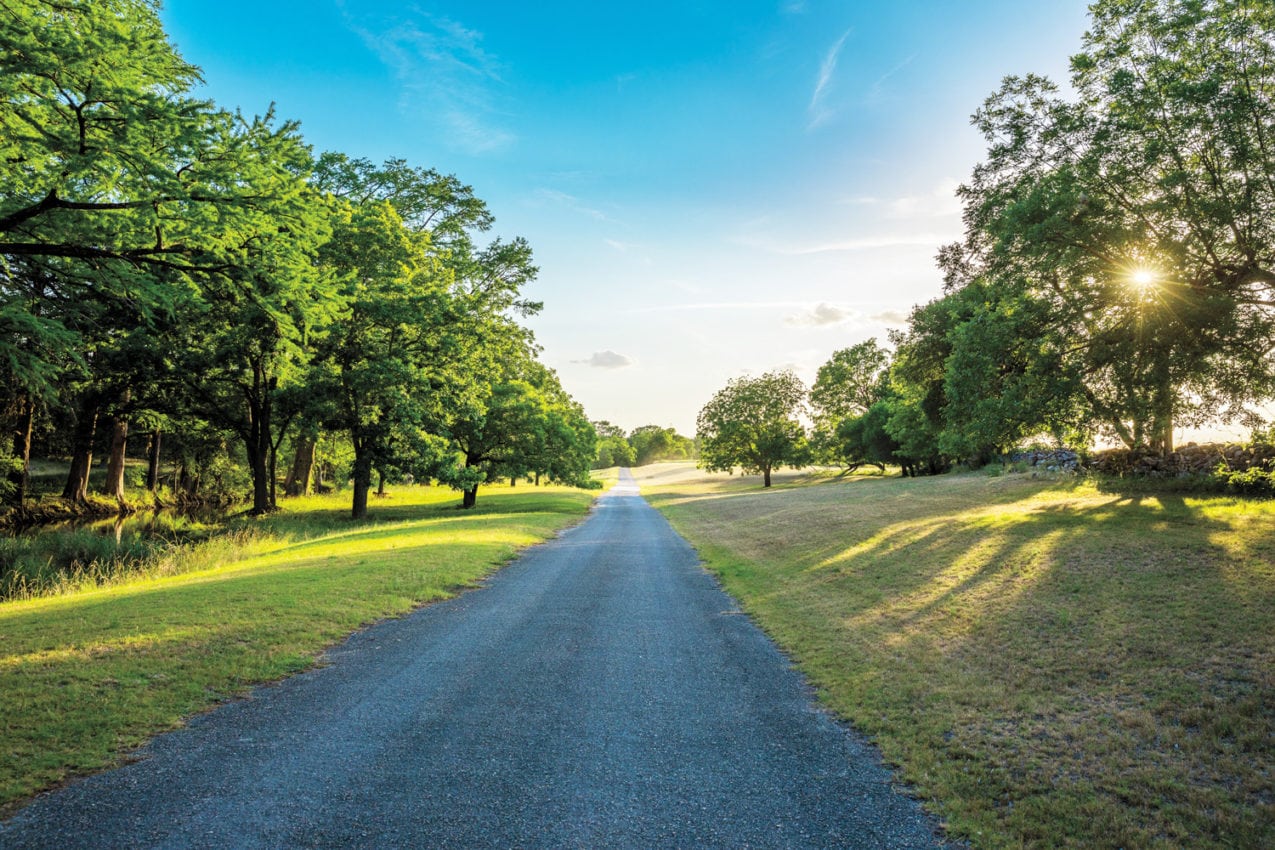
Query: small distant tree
<point x="753" y="423"/>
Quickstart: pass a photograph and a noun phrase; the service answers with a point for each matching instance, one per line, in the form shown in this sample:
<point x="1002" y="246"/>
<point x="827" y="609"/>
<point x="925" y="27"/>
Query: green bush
<point x="1250" y="482"/>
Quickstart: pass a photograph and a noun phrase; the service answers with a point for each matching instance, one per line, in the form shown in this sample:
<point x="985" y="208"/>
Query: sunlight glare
<point x="1143" y="278"/>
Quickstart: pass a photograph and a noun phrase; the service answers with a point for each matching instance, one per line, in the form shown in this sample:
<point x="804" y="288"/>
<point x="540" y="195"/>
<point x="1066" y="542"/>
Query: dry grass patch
<point x="1051" y="664"/>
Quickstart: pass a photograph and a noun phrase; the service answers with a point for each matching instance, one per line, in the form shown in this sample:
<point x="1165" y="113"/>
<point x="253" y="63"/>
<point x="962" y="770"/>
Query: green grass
<point x="89" y="674"/>
<point x="1046" y="663"/>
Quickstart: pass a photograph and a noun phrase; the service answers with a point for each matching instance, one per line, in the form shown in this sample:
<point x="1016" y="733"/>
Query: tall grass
<point x="70" y="557"/>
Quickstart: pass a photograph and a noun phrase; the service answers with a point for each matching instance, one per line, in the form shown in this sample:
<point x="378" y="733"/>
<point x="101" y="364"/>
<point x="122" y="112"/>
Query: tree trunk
<point x="113" y="486"/>
<point x="298" y="481"/>
<point x="20" y="477"/>
<point x="380" y="484"/>
<point x="765" y="476"/>
<point x="257" y="440"/>
<point x="152" y="467"/>
<point x="469" y="497"/>
<point x="187" y="482"/>
<point x="77" y="478"/>
<point x="274" y="477"/>
<point x="362" y="484"/>
<point x="1162" y="429"/>
<point x="513" y="480"/>
<point x="257" y="443"/>
<point x="259" y="465"/>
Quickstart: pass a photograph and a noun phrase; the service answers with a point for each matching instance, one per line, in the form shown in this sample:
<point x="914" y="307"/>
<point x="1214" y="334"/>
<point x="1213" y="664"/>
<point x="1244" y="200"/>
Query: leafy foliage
<point x="753" y="423"/>
<point x="1137" y="217"/>
<point x="167" y="260"/>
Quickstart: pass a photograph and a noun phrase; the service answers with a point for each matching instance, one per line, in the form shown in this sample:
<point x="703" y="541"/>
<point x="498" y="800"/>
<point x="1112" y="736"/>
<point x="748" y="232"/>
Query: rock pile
<point x="1053" y="460"/>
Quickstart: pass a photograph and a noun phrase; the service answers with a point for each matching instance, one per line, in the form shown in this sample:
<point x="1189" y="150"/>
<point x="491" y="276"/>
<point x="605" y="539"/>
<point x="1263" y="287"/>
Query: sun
<point x="1142" y="278"/>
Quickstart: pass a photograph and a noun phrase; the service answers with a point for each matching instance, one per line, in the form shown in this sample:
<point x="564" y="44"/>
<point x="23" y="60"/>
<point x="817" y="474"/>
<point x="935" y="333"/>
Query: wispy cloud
<point x="877" y="91"/>
<point x="571" y="202"/>
<point x="724" y="305"/>
<point x="939" y="202"/>
<point x="445" y="74"/>
<point x="822" y="315"/>
<point x="606" y="360"/>
<point x="819" y="112"/>
<point x="862" y="243"/>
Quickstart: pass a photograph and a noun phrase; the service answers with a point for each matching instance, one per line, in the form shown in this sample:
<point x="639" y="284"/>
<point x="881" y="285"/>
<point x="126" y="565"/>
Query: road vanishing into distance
<point x="601" y="691"/>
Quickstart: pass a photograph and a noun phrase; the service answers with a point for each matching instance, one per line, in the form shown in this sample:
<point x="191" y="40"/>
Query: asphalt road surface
<point x="601" y="691"/>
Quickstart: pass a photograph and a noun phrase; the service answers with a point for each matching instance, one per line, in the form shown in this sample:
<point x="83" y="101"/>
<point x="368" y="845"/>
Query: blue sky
<point x="710" y="188"/>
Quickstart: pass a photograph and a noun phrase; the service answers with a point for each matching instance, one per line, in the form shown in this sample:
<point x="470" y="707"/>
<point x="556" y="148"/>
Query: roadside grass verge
<point x="88" y="675"/>
<point x="1046" y="663"/>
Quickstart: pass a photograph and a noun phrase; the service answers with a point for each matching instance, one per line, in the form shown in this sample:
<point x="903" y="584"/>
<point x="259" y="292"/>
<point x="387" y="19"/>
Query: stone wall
<point x="1191" y="459"/>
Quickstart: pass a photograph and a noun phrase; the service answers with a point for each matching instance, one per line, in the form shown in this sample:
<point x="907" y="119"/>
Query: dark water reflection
<point x="163" y="523"/>
<point x="37" y="558"/>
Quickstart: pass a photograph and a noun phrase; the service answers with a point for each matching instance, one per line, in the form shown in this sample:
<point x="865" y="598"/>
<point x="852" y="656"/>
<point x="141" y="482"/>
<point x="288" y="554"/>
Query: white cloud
<point x="890" y="317"/>
<point x="822" y="315"/>
<point x="941" y="201"/>
<point x="445" y="74"/>
<point x="606" y="360"/>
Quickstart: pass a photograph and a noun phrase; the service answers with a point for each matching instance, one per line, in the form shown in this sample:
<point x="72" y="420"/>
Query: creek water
<point x="34" y="557"/>
<point x="155" y="522"/>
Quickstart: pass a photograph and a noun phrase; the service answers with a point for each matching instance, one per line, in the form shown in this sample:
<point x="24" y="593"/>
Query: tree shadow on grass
<point x="1118" y="617"/>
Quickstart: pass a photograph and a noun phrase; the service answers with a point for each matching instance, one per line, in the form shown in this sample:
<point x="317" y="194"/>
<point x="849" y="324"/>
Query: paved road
<point x="599" y="692"/>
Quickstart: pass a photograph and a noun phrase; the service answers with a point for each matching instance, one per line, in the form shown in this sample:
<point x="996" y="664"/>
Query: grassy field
<point x="87" y="675"/>
<point x="1046" y="663"/>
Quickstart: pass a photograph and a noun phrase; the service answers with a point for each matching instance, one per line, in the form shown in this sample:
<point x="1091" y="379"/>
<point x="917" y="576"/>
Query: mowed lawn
<point x="87" y="676"/>
<point x="1046" y="663"/>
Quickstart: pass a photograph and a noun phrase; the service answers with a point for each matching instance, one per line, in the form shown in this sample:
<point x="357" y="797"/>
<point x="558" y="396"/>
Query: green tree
<point x="1141" y="211"/>
<point x="124" y="203"/>
<point x="849" y="383"/>
<point x="253" y="325"/>
<point x="613" y="446"/>
<point x="524" y="424"/>
<point x="651" y="443"/>
<point x="865" y="439"/>
<point x="377" y="368"/>
<point x="427" y="318"/>
<point x="753" y="423"/>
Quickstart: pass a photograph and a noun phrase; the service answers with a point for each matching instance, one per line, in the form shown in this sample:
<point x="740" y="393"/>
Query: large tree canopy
<point x="754" y="423"/>
<point x="166" y="261"/>
<point x="1139" y="216"/>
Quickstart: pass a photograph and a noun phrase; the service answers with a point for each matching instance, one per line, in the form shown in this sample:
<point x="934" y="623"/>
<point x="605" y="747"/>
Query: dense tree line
<point x="1116" y="279"/>
<point x="647" y="444"/>
<point x="171" y="267"/>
